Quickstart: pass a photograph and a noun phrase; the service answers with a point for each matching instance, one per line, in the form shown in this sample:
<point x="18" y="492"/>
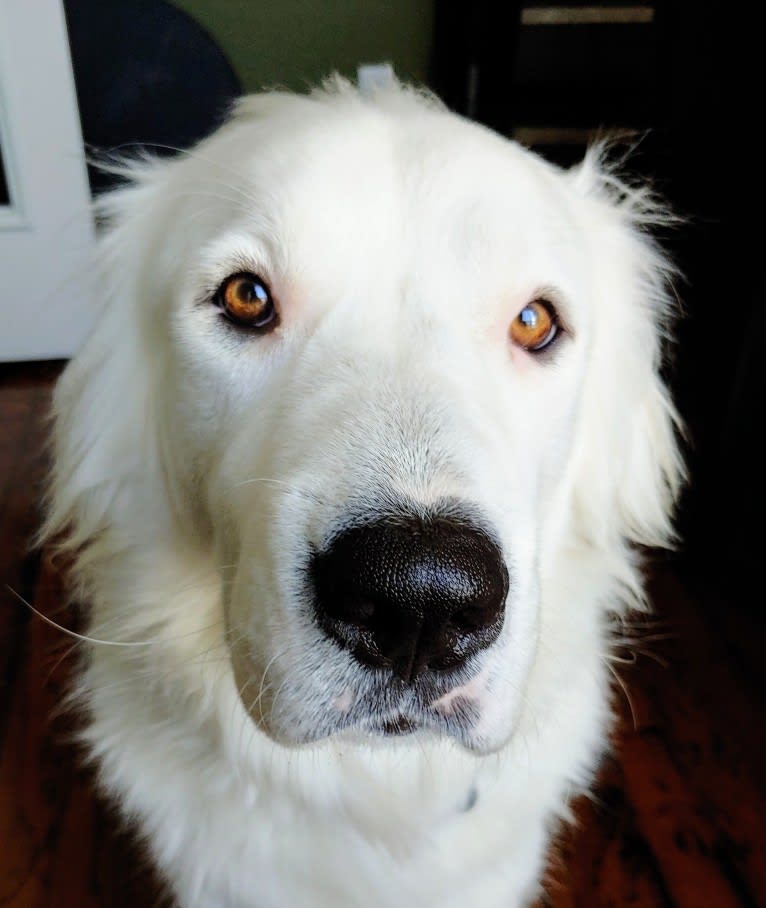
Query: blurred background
<point x="678" y="81"/>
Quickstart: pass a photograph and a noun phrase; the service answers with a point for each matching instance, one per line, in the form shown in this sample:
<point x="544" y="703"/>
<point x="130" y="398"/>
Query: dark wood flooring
<point x="678" y="819"/>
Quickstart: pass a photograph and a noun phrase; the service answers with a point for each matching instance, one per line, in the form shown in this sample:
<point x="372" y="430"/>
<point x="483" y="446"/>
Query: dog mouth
<point x="451" y="714"/>
<point x="459" y="724"/>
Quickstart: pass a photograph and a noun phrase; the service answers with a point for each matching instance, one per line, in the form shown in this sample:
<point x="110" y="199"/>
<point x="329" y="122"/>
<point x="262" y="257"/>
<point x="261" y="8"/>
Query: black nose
<point x="410" y="594"/>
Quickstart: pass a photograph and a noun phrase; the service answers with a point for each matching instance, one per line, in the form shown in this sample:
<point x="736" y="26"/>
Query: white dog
<point x="351" y="468"/>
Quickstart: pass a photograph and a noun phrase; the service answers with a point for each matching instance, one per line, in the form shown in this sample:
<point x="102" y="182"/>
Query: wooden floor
<point x="678" y="819"/>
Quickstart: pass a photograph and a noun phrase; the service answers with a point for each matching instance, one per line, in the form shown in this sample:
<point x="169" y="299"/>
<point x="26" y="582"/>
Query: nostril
<point x="358" y="612"/>
<point x="471" y="618"/>
<point x="364" y="611"/>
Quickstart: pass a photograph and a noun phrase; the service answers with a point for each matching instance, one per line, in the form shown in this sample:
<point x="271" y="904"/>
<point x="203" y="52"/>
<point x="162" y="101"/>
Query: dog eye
<point x="536" y="326"/>
<point x="246" y="299"/>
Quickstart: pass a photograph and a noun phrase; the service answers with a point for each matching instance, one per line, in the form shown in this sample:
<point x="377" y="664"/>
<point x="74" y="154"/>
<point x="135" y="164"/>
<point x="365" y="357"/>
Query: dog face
<point x="391" y="367"/>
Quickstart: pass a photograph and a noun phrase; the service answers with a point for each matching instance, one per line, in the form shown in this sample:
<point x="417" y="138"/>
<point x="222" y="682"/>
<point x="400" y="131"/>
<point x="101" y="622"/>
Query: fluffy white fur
<point x="195" y="466"/>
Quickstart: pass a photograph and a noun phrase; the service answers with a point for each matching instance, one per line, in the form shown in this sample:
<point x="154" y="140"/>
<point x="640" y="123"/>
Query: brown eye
<point x="536" y="326"/>
<point x="247" y="300"/>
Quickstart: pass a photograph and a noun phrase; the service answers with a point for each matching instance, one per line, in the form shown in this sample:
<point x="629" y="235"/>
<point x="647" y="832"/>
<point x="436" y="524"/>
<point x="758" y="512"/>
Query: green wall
<point x="295" y="43"/>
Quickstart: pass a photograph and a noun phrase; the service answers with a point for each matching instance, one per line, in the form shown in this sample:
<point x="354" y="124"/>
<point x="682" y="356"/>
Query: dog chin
<point x="403" y="729"/>
<point x="397" y="729"/>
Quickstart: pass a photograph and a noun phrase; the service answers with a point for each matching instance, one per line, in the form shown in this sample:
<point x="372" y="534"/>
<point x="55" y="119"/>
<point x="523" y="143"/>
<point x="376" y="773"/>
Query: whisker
<point x="61" y="659"/>
<point x="274" y="658"/>
<point x="84" y="638"/>
<point x="630" y="659"/>
<point x="152" y="676"/>
<point x="186" y="152"/>
<point x="272" y="710"/>
<point x="624" y="688"/>
<point x="651" y="655"/>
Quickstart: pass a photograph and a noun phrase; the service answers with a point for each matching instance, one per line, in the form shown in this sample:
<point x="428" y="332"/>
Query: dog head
<point x="385" y="368"/>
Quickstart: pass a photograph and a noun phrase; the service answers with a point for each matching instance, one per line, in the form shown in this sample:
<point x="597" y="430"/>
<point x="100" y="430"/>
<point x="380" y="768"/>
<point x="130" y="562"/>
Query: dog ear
<point x="103" y="427"/>
<point x="628" y="466"/>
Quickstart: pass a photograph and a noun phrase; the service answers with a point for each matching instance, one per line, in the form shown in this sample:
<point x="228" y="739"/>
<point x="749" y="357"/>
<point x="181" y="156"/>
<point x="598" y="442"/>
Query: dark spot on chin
<point x="401" y="725"/>
<point x="470" y="801"/>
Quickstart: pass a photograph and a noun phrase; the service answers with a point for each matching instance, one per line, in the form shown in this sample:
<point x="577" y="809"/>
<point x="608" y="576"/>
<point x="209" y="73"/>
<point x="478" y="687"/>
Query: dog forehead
<point x="360" y="185"/>
<point x="436" y="170"/>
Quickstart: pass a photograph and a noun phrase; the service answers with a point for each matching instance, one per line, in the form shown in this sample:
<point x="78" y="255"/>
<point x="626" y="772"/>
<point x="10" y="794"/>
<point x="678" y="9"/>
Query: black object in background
<point x="474" y="50"/>
<point x="690" y="73"/>
<point x="5" y="196"/>
<point x="550" y="73"/>
<point x="146" y="74"/>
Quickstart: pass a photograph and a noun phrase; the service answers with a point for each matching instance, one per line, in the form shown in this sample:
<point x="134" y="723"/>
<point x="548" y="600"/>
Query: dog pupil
<point x="252" y="291"/>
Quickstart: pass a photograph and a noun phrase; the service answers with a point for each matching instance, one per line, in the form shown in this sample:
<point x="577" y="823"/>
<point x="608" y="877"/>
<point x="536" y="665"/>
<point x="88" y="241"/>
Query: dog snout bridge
<point x="411" y="595"/>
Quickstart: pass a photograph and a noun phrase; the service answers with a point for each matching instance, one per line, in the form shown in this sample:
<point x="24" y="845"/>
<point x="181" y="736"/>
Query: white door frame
<point x="46" y="233"/>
